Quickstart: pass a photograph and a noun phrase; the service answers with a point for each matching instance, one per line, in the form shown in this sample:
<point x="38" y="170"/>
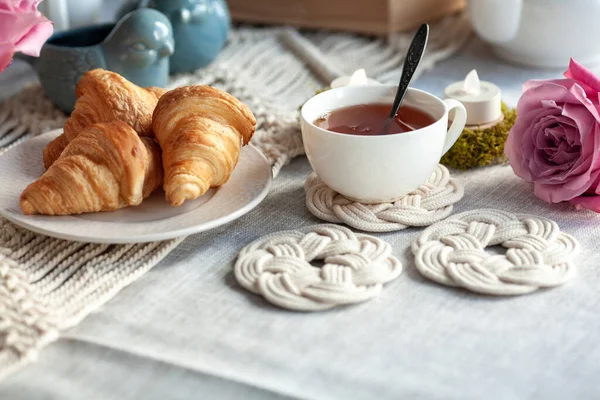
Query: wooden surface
<point x="363" y="16"/>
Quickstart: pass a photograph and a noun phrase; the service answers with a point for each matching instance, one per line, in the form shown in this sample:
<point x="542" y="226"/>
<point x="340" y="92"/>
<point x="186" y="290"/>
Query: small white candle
<point x="359" y="77"/>
<point x="480" y="98"/>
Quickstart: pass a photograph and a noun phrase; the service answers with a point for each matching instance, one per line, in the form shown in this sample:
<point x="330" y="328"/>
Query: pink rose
<point x="22" y="28"/>
<point x="555" y="142"/>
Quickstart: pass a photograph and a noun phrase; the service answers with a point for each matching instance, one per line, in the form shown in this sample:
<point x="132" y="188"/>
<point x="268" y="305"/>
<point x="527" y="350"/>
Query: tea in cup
<point x="343" y="140"/>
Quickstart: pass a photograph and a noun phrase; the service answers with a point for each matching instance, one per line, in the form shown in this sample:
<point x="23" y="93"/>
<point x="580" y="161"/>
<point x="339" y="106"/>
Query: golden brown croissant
<point x="105" y="96"/>
<point x="53" y="149"/>
<point x="200" y="130"/>
<point x="132" y="104"/>
<point x="106" y="167"/>
<point x="157" y="91"/>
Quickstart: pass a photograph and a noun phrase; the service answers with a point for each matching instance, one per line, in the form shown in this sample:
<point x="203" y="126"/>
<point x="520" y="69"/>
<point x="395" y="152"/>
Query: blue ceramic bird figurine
<point x="200" y="29"/>
<point x="137" y="47"/>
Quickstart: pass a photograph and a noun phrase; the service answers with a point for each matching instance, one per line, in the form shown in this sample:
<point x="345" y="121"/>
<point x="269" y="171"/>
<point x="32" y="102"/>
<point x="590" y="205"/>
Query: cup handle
<point x="458" y="124"/>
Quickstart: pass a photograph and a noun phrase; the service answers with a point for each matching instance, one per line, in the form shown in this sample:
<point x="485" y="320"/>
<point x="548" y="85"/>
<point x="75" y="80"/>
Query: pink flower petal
<point x="520" y="142"/>
<point x="31" y="43"/>
<point x="555" y="141"/>
<point x="594" y="187"/>
<point x="556" y="92"/>
<point x="554" y="193"/>
<point x="590" y="202"/>
<point x="584" y="77"/>
<point x="14" y="25"/>
<point x="29" y="5"/>
<point x="19" y="5"/>
<point x="6" y="55"/>
<point x="24" y="31"/>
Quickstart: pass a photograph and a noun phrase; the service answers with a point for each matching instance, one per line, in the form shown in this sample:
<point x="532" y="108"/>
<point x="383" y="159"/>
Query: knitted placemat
<point x="47" y="285"/>
<point x="452" y="252"/>
<point x="278" y="267"/>
<point x="431" y="202"/>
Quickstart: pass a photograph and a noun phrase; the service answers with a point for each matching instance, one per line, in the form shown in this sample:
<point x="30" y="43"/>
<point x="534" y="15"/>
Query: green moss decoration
<point x="481" y="147"/>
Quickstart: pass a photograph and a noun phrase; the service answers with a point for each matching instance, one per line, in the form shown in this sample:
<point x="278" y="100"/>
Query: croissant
<point x="105" y="96"/>
<point x="54" y="149"/>
<point x="157" y="91"/>
<point x="106" y="167"/>
<point x="131" y="104"/>
<point x="200" y="130"/>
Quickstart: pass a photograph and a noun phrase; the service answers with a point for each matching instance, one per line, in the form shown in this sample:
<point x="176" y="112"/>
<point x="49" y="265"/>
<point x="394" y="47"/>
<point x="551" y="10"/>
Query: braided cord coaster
<point x="452" y="252"/>
<point x="430" y="203"/>
<point x="278" y="267"/>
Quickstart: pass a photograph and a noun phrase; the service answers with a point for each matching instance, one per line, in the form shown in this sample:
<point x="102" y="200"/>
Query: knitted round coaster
<point x="430" y="203"/>
<point x="278" y="267"/>
<point x="452" y="252"/>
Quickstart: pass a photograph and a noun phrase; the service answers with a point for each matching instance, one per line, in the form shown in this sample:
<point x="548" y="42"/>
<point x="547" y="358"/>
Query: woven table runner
<point x="48" y="285"/>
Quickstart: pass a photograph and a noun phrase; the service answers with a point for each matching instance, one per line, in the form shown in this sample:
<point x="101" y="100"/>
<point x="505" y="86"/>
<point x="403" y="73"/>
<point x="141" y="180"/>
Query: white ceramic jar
<point x="540" y="33"/>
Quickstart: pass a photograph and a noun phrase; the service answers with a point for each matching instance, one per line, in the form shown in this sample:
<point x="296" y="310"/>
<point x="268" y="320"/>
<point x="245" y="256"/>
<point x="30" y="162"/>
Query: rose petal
<point x="19" y="5"/>
<point x="31" y="5"/>
<point x="584" y="77"/>
<point x="546" y="171"/>
<point x="560" y="91"/>
<point x="31" y="43"/>
<point x="24" y="31"/>
<point x="562" y="152"/>
<point x="520" y="142"/>
<point x="543" y="147"/>
<point x="581" y="117"/>
<point x="514" y="152"/>
<point x="555" y="141"/>
<point x="6" y="55"/>
<point x="589" y="159"/>
<point x="577" y="184"/>
<point x="595" y="186"/>
<point x="570" y="131"/>
<point x="593" y="143"/>
<point x="555" y="193"/>
<point x="571" y="183"/>
<point x="549" y="139"/>
<point x="13" y="25"/>
<point x="564" y="155"/>
<point x="591" y="202"/>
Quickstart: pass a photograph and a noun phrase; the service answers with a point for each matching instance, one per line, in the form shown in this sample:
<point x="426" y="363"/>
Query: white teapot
<point x="540" y="33"/>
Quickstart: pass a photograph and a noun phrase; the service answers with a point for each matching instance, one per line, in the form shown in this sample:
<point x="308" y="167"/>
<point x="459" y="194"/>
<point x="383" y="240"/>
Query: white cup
<point x="381" y="168"/>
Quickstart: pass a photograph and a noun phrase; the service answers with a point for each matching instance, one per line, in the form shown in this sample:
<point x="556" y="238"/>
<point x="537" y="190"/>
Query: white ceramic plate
<point x="152" y="220"/>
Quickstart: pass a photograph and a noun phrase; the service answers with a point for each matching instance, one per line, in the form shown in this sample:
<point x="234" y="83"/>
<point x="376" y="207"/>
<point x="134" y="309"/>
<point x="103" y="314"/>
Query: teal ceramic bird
<point x="200" y="29"/>
<point x="137" y="47"/>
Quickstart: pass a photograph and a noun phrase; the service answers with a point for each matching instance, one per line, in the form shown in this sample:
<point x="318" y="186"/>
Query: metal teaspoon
<point x="411" y="63"/>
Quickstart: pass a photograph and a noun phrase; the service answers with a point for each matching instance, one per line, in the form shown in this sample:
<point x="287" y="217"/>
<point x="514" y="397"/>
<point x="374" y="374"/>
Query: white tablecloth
<point x="186" y="330"/>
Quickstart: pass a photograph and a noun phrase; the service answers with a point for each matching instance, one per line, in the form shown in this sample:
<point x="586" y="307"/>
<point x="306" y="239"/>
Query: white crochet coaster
<point x="452" y="252"/>
<point x="430" y="203"/>
<point x="278" y="267"/>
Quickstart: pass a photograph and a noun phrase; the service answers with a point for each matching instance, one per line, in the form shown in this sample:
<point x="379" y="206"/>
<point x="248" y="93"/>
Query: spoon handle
<point x="411" y="62"/>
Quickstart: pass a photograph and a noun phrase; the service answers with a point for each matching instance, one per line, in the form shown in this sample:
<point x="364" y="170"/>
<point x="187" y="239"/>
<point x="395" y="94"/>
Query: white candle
<point x="480" y="98"/>
<point x="359" y="77"/>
